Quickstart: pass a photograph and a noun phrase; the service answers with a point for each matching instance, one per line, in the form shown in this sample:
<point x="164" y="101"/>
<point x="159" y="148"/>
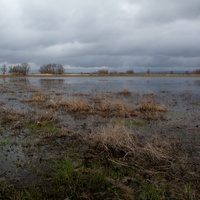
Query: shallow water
<point x="107" y="84"/>
<point x="181" y="95"/>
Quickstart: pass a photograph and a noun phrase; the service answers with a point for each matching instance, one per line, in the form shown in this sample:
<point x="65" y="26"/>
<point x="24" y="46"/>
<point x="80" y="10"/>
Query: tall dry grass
<point x="113" y="108"/>
<point x="154" y="155"/>
<point x="72" y="105"/>
<point x="106" y="107"/>
<point x="10" y="115"/>
<point x="47" y="117"/>
<point x="151" y="106"/>
<point x="102" y="107"/>
<point x="120" y="140"/>
<point x="38" y="97"/>
<point x="125" y="93"/>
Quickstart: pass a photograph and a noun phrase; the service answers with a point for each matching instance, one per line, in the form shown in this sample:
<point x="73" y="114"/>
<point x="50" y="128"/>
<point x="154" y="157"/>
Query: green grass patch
<point x="37" y="128"/>
<point x="151" y="192"/>
<point x="79" y="181"/>
<point x="5" y="142"/>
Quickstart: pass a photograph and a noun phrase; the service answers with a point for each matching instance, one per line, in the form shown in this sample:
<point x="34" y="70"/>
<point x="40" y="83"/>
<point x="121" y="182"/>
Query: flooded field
<point x="100" y="138"/>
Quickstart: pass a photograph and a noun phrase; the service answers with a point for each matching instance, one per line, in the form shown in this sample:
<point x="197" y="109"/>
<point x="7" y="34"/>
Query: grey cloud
<point x="169" y="11"/>
<point x="112" y="33"/>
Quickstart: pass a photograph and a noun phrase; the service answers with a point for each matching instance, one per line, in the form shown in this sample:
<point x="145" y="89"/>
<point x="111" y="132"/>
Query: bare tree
<point x="25" y="67"/>
<point x="103" y="71"/>
<point x="22" y="69"/>
<point x="130" y="71"/>
<point x="114" y="72"/>
<point x="197" y="71"/>
<point x="4" y="69"/>
<point x="52" y="69"/>
<point x="187" y="72"/>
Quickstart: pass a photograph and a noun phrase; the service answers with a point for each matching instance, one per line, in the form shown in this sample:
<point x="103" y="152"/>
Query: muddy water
<point x="21" y="150"/>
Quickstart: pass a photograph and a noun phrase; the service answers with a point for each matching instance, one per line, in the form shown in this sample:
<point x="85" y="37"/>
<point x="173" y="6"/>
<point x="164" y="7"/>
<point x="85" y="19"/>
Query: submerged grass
<point x="114" y="162"/>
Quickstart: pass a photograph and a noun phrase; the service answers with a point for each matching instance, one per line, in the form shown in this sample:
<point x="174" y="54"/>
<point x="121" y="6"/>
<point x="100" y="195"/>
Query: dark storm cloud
<point x="110" y="33"/>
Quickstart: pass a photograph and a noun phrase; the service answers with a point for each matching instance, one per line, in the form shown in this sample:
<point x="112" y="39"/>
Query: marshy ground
<point x="59" y="143"/>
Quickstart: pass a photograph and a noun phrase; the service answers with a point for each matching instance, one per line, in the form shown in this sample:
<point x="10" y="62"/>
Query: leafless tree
<point x="130" y="71"/>
<point x="22" y="69"/>
<point x="197" y="71"/>
<point x="52" y="69"/>
<point x="103" y="71"/>
<point x="3" y="68"/>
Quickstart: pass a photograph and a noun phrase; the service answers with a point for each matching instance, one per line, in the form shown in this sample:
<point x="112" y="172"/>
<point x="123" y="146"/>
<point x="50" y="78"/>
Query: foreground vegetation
<point x="90" y="146"/>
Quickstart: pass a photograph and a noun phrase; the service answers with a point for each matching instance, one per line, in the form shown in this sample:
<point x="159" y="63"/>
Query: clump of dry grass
<point x="116" y="138"/>
<point x="119" y="109"/>
<point x="151" y="106"/>
<point x="47" y="117"/>
<point x="58" y="93"/>
<point x="125" y="93"/>
<point x="78" y="105"/>
<point x="38" y="97"/>
<point x="151" y="155"/>
<point x="96" y="99"/>
<point x="116" y="108"/>
<point x="72" y="105"/>
<point x="53" y="103"/>
<point x="97" y="106"/>
<point x="123" y="141"/>
<point x="10" y="115"/>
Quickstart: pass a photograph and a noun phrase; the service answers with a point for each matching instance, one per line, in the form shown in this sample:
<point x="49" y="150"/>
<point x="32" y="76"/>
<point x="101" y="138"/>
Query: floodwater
<point x="181" y="95"/>
<point x="107" y="84"/>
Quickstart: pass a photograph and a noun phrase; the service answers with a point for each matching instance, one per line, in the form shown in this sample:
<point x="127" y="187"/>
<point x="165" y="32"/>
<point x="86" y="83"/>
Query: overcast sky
<point x="114" y="34"/>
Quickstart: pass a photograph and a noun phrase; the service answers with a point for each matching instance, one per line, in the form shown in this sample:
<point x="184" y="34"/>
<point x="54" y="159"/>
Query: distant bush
<point x="197" y="71"/>
<point x="130" y="72"/>
<point x="113" y="72"/>
<point x="22" y="69"/>
<point x="51" y="69"/>
<point x="103" y="71"/>
<point x="187" y="72"/>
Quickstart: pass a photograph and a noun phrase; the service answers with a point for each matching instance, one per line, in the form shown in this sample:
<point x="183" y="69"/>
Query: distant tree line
<point x="105" y="71"/>
<point x="52" y="69"/>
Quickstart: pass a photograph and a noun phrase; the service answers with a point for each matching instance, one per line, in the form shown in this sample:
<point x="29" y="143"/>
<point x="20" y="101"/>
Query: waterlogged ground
<point x="46" y="126"/>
